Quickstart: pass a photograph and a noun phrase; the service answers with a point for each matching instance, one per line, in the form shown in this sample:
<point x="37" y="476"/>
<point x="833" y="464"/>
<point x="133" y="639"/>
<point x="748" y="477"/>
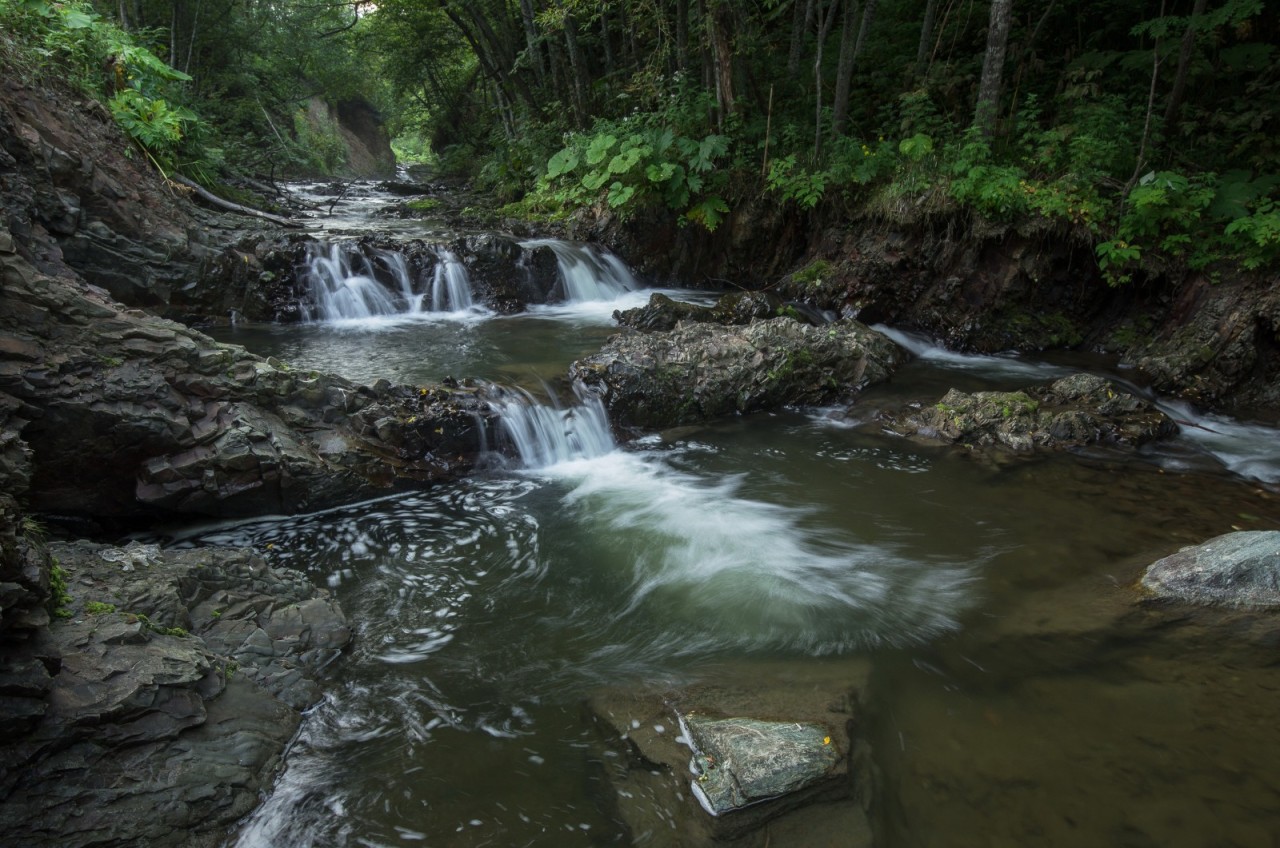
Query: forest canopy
<point x="1148" y="129"/>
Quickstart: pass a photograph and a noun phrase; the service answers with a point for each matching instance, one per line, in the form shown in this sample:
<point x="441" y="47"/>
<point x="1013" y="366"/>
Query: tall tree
<point x="926" y="35"/>
<point x="1184" y="64"/>
<point x="984" y="117"/>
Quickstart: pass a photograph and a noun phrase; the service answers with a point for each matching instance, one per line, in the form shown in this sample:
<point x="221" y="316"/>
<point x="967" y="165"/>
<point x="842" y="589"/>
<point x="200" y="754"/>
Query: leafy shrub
<point x="630" y="169"/>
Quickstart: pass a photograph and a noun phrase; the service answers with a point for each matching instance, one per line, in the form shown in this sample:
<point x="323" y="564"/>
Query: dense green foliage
<point x="202" y="86"/>
<point x="1148" y="129"/>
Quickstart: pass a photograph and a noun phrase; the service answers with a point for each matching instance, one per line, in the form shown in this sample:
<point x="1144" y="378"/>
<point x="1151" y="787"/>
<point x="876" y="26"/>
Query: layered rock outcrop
<point x="130" y="416"/>
<point x="156" y="706"/>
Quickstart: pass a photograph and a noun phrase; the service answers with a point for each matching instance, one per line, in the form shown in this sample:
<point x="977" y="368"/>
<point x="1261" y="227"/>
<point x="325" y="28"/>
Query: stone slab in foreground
<point x="764" y="753"/>
<point x="157" y="705"/>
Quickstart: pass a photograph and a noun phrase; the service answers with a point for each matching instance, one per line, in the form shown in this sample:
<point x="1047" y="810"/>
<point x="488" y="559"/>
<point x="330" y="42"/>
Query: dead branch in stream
<point x="210" y="197"/>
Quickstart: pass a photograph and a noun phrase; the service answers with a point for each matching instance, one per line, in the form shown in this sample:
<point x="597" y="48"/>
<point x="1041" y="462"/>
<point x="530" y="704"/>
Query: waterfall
<point x="546" y="435"/>
<point x="346" y="283"/>
<point x="340" y="289"/>
<point x="450" y="288"/>
<point x="587" y="272"/>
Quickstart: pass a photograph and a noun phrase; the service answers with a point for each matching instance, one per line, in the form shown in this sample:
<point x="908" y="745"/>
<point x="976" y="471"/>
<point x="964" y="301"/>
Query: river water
<point x="1012" y="689"/>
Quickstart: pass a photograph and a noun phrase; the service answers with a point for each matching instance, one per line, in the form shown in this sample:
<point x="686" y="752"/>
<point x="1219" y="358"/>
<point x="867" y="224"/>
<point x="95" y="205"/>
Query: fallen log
<point x="210" y="197"/>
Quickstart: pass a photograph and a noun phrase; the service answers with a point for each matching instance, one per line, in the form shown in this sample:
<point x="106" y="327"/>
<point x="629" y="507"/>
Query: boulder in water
<point x="699" y="371"/>
<point x="1078" y="410"/>
<point x="662" y="313"/>
<point x="742" y="761"/>
<point x="764" y="743"/>
<point x="1239" y="569"/>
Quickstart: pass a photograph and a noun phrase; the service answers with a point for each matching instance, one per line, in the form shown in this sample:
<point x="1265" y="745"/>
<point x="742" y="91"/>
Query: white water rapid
<point x="346" y="284"/>
<point x="1249" y="450"/>
<point x="720" y="568"/>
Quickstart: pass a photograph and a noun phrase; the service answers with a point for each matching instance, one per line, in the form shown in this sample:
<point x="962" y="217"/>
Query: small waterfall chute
<point x="450" y="285"/>
<point x="586" y="271"/>
<point x="347" y="282"/>
<point x="343" y="286"/>
<point x="546" y="434"/>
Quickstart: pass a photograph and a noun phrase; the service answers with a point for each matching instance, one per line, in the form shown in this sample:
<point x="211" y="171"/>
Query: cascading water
<point x="347" y="284"/>
<point x="340" y="289"/>
<point x="720" y="568"/>
<point x="587" y="272"/>
<point x="546" y="435"/>
<point x="450" y="287"/>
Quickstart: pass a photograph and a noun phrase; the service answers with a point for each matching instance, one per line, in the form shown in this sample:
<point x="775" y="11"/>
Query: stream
<point x="1011" y="689"/>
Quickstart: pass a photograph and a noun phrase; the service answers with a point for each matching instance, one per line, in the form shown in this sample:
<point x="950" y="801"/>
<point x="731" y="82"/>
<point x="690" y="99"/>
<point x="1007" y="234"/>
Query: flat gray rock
<point x="1237" y="569"/>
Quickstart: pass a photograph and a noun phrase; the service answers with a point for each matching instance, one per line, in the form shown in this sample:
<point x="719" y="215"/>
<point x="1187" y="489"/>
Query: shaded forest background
<point x="1148" y="130"/>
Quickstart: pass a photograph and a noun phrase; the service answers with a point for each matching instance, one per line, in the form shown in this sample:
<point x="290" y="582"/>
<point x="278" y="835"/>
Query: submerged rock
<point x="701" y="371"/>
<point x="793" y="759"/>
<point x="1078" y="410"/>
<point x="1236" y="569"/>
<point x="158" y="703"/>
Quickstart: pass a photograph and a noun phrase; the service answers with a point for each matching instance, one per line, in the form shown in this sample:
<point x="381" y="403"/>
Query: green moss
<point x="59" y="597"/>
<point x="813" y="273"/>
<point x="789" y="311"/>
<point x="154" y="628"/>
<point x="99" y="608"/>
<point x="426" y="204"/>
<point x="1017" y="403"/>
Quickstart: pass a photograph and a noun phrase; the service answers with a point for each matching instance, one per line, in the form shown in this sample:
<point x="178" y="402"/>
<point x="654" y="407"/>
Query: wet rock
<point x="743" y="761"/>
<point x="1239" y="569"/>
<point x="507" y="276"/>
<point x="140" y="720"/>
<point x="701" y="371"/>
<point x="1082" y="409"/>
<point x="1220" y="343"/>
<point x="662" y="313"/>
<point x="175" y="422"/>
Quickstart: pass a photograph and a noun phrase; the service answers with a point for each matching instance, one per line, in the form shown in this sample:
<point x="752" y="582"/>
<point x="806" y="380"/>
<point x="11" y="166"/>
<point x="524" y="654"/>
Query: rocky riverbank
<point x="157" y="704"/>
<point x="1211" y="336"/>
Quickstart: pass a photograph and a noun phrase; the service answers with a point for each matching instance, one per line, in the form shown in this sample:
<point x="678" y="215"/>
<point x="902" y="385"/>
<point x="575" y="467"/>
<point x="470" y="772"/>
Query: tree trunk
<point x="604" y="39"/>
<point x="926" y="35"/>
<point x="817" y="76"/>
<point x="191" y="42"/>
<point x="576" y="70"/>
<point x="531" y="41"/>
<point x="173" y="33"/>
<point x="984" y="117"/>
<point x="844" y="68"/>
<point x="801" y="20"/>
<point x="715" y="14"/>
<point x="682" y="35"/>
<point x="1184" y="64"/>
